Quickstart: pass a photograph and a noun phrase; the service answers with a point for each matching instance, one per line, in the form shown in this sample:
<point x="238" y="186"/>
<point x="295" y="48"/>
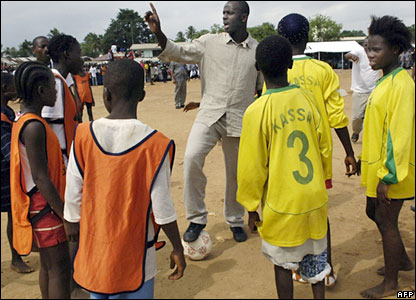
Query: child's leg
<point x="328" y="239"/>
<point x="386" y="218"/>
<point x="318" y="290"/>
<point x="284" y="283"/>
<point x="57" y="262"/>
<point x="18" y="264"/>
<point x="89" y="110"/>
<point x="43" y="276"/>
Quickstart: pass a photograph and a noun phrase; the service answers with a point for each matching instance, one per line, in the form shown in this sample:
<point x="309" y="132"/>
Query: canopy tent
<point x="332" y="47"/>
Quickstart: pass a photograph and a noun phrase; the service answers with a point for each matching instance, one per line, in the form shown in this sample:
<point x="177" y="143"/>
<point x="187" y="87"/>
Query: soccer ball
<point x="198" y="249"/>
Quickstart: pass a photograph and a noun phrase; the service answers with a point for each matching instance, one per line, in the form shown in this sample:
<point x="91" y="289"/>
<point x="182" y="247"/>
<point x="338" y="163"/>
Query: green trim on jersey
<point x="286" y="88"/>
<point x="301" y="58"/>
<point x="391" y="177"/>
<point x="392" y="73"/>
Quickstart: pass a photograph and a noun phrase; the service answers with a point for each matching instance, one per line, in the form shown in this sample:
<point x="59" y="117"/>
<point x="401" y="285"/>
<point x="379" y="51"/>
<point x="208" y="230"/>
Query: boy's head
<point x="65" y="49"/>
<point x="40" y="49"/>
<point x="392" y="30"/>
<point x="274" y="57"/>
<point x="35" y="80"/>
<point x="124" y="80"/>
<point x="8" y="89"/>
<point x="295" y="28"/>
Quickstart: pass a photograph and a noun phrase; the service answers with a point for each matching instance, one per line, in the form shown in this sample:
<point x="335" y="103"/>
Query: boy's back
<point x="287" y="135"/>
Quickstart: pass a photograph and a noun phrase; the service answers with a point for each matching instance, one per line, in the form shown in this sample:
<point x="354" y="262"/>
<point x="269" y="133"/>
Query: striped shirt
<point x="6" y="130"/>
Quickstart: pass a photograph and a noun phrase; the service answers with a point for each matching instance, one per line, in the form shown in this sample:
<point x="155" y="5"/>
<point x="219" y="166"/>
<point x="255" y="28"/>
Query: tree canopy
<point x="322" y="29"/>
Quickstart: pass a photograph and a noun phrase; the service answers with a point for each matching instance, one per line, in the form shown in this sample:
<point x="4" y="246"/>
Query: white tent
<point x="332" y="47"/>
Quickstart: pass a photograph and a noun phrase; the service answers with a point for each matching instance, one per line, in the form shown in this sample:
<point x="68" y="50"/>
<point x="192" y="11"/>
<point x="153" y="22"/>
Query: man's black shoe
<point x="193" y="231"/>
<point x="239" y="234"/>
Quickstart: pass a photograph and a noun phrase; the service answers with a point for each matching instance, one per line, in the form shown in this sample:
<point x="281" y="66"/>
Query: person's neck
<point x="276" y="83"/>
<point x="123" y="112"/>
<point x="297" y="51"/>
<point x="61" y="68"/>
<point x="390" y="68"/>
<point x="35" y="107"/>
<point x="239" y="36"/>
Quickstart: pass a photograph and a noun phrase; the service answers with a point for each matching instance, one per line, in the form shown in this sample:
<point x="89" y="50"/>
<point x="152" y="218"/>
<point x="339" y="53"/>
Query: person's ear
<point x="142" y="97"/>
<point x="106" y="95"/>
<point x="396" y="50"/>
<point x="244" y="18"/>
<point x="291" y="64"/>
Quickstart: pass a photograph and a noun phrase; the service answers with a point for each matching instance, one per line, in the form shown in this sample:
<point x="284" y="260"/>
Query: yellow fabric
<point x="319" y="78"/>
<point x="283" y="148"/>
<point x="388" y="151"/>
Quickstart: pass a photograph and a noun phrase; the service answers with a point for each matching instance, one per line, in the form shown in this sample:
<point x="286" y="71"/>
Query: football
<point x="198" y="249"/>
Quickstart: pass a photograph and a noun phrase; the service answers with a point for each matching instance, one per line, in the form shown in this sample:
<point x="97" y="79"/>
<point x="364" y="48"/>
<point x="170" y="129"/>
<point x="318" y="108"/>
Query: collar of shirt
<point x="247" y="43"/>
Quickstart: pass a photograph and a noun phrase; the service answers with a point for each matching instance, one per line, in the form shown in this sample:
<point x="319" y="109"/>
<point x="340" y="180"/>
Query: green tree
<point x="127" y="29"/>
<point x="25" y="49"/>
<point x="262" y="31"/>
<point x="92" y="45"/>
<point x="201" y="33"/>
<point x="322" y="29"/>
<point x="11" y="52"/>
<point x="190" y="33"/>
<point x="216" y="28"/>
<point x="53" y="32"/>
<point x="180" y="37"/>
<point x="352" y="33"/>
<point x="412" y="32"/>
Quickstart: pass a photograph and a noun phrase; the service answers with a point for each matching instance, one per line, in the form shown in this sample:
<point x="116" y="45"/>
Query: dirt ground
<point x="239" y="270"/>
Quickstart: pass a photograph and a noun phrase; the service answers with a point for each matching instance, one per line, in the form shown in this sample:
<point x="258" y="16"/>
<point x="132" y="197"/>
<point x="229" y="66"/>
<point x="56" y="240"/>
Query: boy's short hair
<point x="274" y="56"/>
<point x="392" y="30"/>
<point x="124" y="78"/>
<point x="294" y="27"/>
<point x="60" y="43"/>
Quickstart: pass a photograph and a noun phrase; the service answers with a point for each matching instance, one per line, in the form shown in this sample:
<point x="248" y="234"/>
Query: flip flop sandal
<point x="330" y="280"/>
<point x="298" y="278"/>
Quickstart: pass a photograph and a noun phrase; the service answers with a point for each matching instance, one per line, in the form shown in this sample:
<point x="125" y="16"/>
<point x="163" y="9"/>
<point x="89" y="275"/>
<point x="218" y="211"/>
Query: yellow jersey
<point x="388" y="151"/>
<point x="284" y="147"/>
<point x="319" y="78"/>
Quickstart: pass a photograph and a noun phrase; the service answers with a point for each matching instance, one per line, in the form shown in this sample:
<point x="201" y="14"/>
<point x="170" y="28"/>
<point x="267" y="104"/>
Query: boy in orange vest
<point x="37" y="182"/>
<point x="83" y="89"/>
<point x="118" y="191"/>
<point x="8" y="93"/>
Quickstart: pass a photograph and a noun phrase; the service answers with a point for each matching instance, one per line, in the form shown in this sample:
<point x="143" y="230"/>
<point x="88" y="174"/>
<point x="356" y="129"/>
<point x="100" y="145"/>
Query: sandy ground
<point x="239" y="270"/>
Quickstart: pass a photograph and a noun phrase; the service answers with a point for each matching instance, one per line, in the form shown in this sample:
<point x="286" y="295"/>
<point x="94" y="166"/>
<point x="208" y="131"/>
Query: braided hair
<point x="28" y="77"/>
<point x="294" y="27"/>
<point x="59" y="44"/>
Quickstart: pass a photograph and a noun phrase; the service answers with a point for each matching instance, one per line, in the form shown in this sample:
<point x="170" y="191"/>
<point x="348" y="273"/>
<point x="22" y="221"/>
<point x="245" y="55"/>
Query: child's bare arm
<point x="176" y="257"/>
<point x="34" y="138"/>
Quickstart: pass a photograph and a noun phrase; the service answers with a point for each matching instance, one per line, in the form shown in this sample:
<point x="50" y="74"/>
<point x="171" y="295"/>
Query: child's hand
<point x="72" y="231"/>
<point x="191" y="106"/>
<point x="253" y="219"/>
<point x="177" y="258"/>
<point x="351" y="166"/>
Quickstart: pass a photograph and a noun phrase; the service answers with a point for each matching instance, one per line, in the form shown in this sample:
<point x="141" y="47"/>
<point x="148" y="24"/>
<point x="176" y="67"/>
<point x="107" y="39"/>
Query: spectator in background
<point x="364" y="80"/>
<point x="93" y="73"/>
<point x="179" y="78"/>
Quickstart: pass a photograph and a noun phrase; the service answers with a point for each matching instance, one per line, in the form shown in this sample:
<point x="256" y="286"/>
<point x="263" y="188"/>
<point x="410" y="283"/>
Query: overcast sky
<point x="22" y="20"/>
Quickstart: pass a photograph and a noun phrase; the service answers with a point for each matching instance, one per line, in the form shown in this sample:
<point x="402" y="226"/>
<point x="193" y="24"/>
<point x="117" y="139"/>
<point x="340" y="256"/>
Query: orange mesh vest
<point x="4" y="118"/>
<point x="20" y="201"/>
<point x="83" y="88"/>
<point x="115" y="210"/>
<point x="70" y="111"/>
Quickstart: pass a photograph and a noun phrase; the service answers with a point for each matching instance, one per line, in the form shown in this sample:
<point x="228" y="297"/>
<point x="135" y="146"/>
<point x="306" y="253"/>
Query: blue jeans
<point x="145" y="292"/>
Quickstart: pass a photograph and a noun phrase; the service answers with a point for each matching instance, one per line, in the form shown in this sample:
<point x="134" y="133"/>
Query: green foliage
<point x="127" y="29"/>
<point x="412" y="32"/>
<point x="262" y="31"/>
<point x="25" y="49"/>
<point x="201" y="33"/>
<point x="322" y="29"/>
<point x="180" y="37"/>
<point x="190" y="33"/>
<point x="92" y="45"/>
<point x="9" y="52"/>
<point x="53" y="32"/>
<point x="352" y="33"/>
<point x="216" y="28"/>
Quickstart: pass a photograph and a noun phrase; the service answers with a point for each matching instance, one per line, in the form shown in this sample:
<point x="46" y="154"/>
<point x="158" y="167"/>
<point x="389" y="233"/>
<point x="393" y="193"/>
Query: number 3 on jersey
<point x="302" y="156"/>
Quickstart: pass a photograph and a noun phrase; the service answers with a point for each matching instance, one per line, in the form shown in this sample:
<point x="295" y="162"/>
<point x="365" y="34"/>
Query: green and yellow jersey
<point x="284" y="149"/>
<point x="319" y="78"/>
<point x="388" y="151"/>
